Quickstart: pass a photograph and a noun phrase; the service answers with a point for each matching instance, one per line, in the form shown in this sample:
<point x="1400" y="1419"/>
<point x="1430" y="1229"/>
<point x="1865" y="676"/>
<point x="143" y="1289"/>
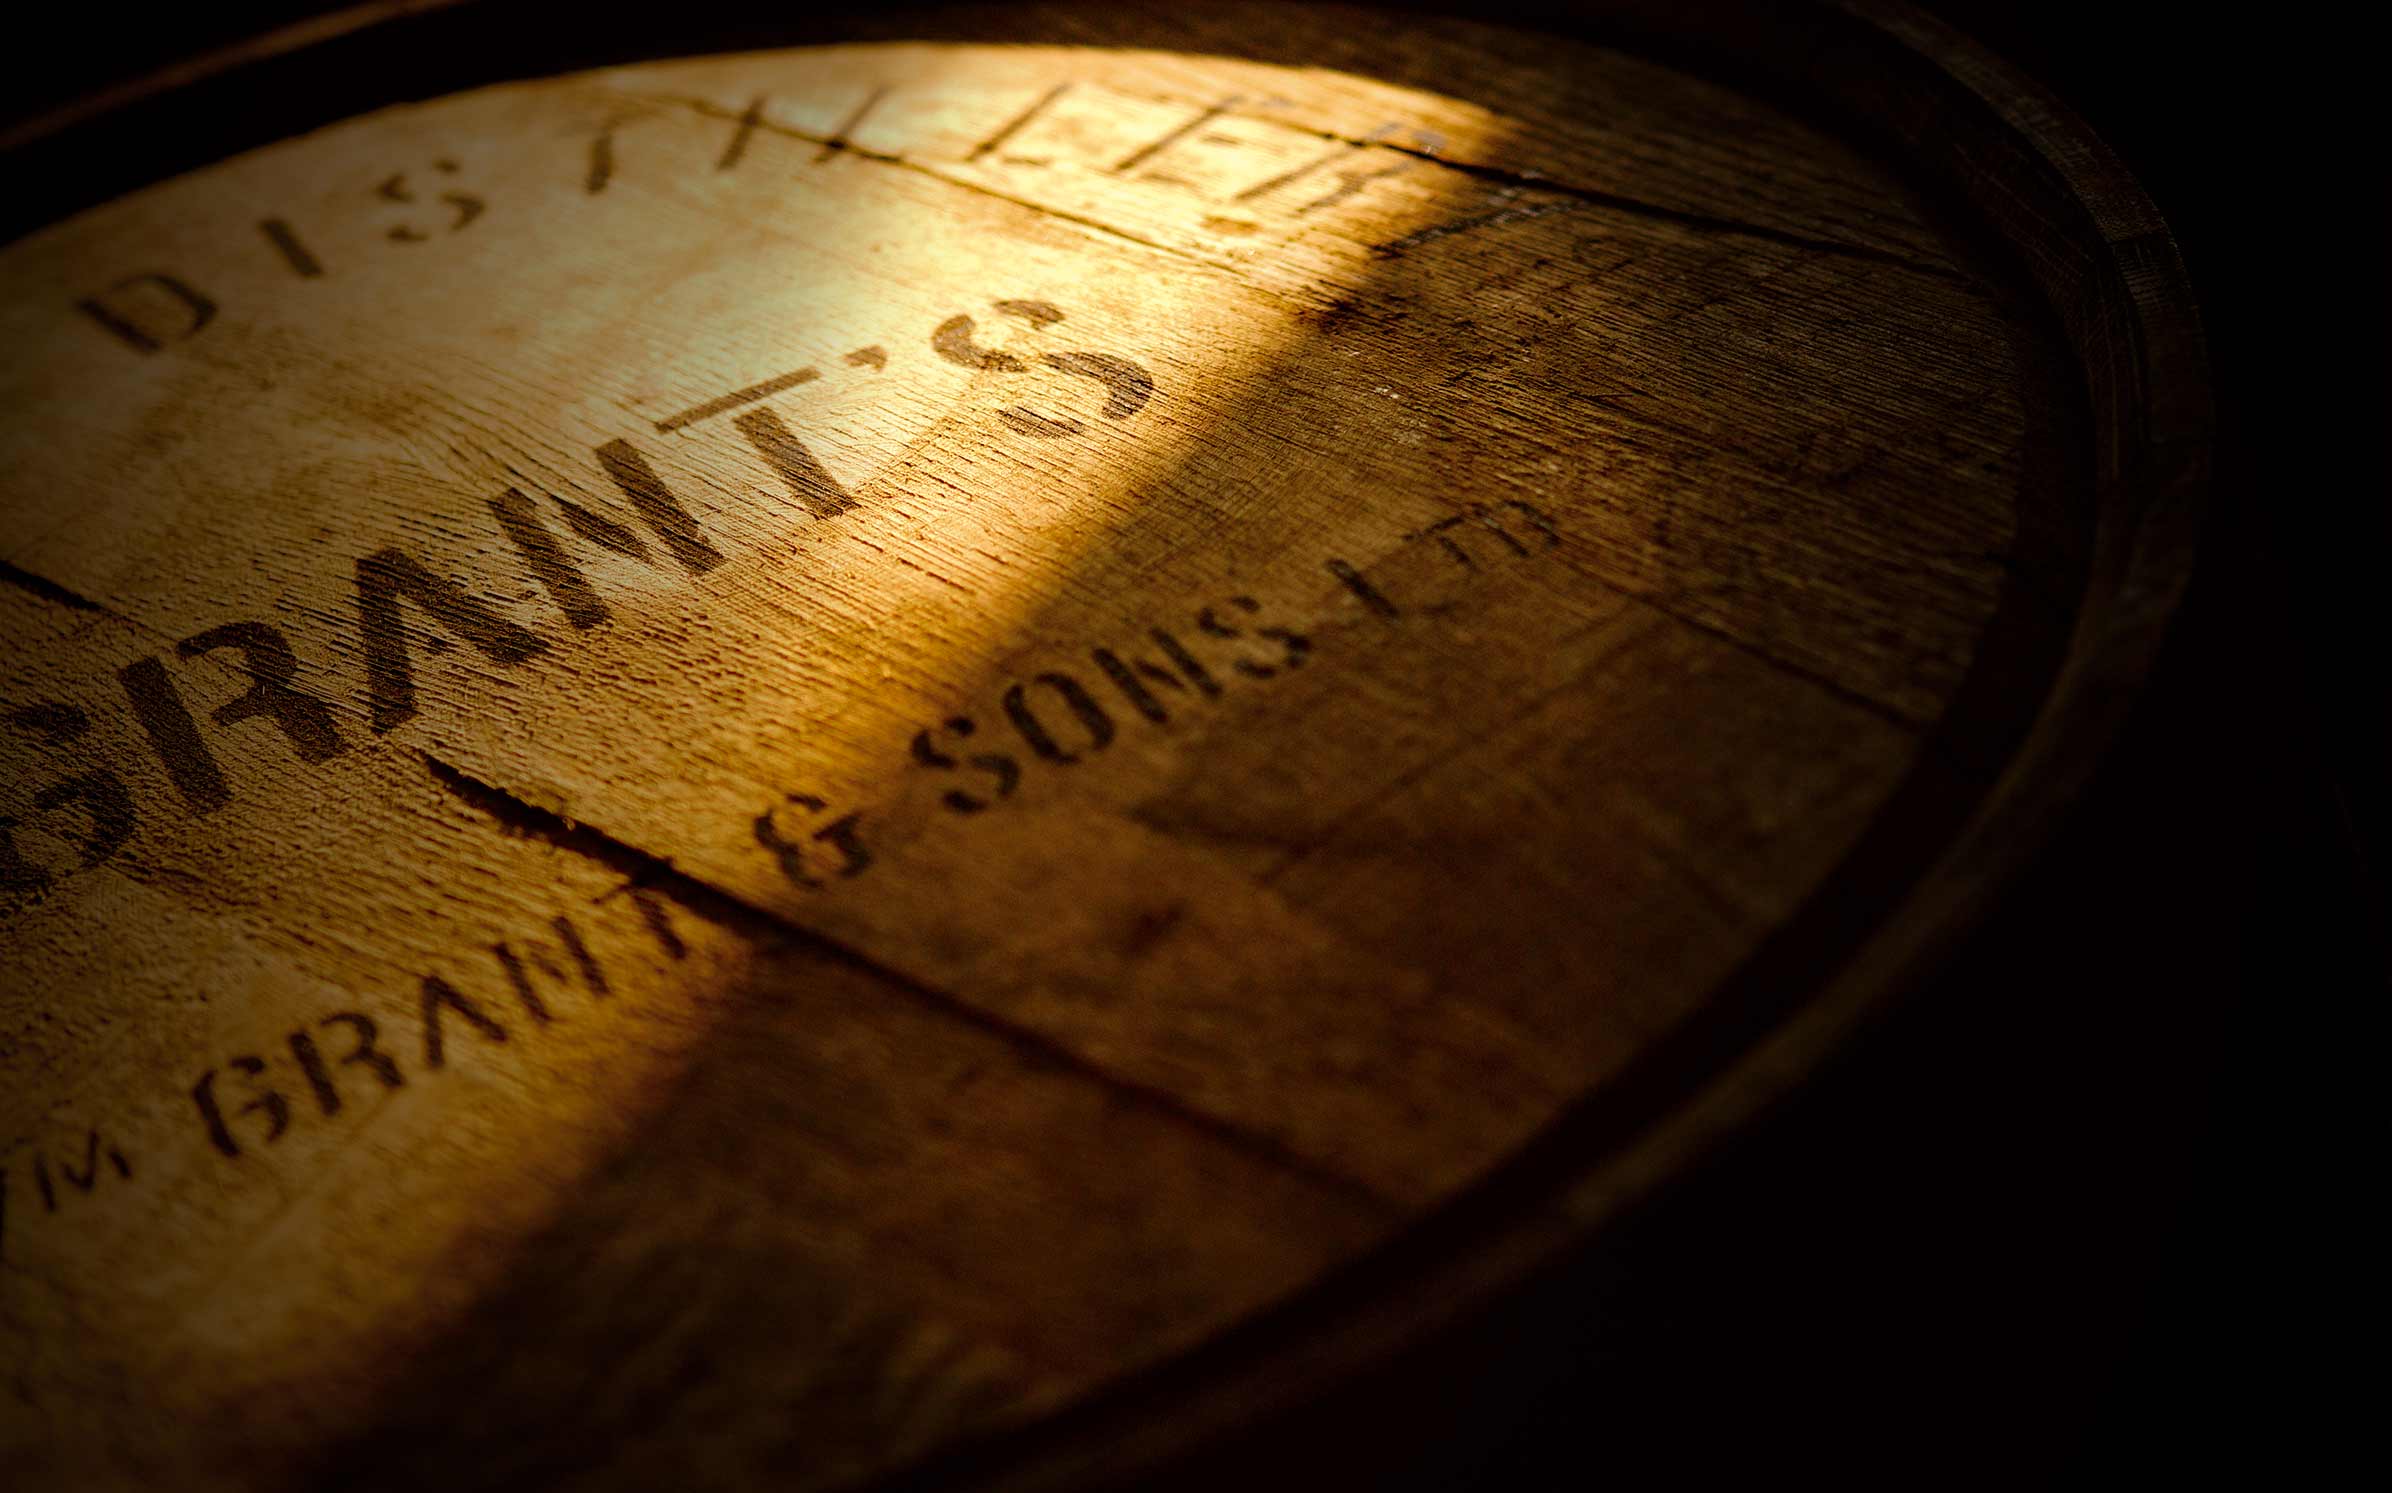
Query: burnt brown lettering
<point x="98" y="792"/>
<point x="602" y="159"/>
<point x="1366" y="593"/>
<point x="808" y="481"/>
<point x="84" y="1179"/>
<point x="579" y="953"/>
<point x="1506" y="210"/>
<point x="659" y="922"/>
<point x="17" y="874"/>
<point x="1132" y="688"/>
<point x="463" y="207"/>
<point x="1017" y="123"/>
<point x="1005" y="773"/>
<point x="952" y="340"/>
<point x="1335" y="153"/>
<point x="1186" y="662"/>
<point x="148" y="311"/>
<point x="1029" y="422"/>
<point x="270" y="1103"/>
<point x="519" y="977"/>
<point x="780" y="383"/>
<point x="842" y="836"/>
<point x="1128" y="386"/>
<point x="364" y="1054"/>
<point x="740" y="137"/>
<point x="655" y="506"/>
<point x="1489" y="519"/>
<point x="267" y="1102"/>
<point x="304" y="720"/>
<point x="1349" y="183"/>
<point x="519" y="520"/>
<point x="1169" y="138"/>
<point x="383" y="578"/>
<point x="285" y="240"/>
<point x="319" y="1078"/>
<point x="1440" y="531"/>
<point x="438" y="996"/>
<point x="174" y="735"/>
<point x="1127" y="389"/>
<point x="842" y="137"/>
<point x="1294" y="647"/>
<point x="1039" y="314"/>
<point x="101" y="795"/>
<point x="520" y="966"/>
<point x="1538" y="520"/>
<point x="1076" y="699"/>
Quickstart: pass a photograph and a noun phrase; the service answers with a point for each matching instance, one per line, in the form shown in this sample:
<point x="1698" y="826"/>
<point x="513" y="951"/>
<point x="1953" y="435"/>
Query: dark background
<point x="2086" y="1207"/>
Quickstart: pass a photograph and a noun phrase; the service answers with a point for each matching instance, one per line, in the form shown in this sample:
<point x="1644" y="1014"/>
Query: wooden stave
<point x="2127" y="307"/>
<point x="2099" y="255"/>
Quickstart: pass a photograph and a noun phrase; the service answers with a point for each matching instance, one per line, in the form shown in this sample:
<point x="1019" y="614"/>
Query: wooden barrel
<point x="958" y="744"/>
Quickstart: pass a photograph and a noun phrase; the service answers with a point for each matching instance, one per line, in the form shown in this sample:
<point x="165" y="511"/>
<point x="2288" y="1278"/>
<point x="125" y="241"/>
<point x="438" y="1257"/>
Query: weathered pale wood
<point x="1446" y="577"/>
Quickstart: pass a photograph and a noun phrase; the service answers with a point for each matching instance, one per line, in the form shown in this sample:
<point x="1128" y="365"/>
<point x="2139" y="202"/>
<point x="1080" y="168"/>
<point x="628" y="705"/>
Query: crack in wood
<point x="1504" y="176"/>
<point x="50" y="591"/>
<point x="1699" y="222"/>
<point x="764" y="926"/>
<point x="1381" y="139"/>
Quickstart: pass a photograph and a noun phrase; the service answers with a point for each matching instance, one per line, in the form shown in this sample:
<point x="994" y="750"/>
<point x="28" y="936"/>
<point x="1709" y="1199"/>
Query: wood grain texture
<point x="979" y="726"/>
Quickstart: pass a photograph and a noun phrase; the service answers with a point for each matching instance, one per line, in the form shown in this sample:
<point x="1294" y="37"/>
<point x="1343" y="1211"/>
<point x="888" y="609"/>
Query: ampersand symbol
<point x="840" y="836"/>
